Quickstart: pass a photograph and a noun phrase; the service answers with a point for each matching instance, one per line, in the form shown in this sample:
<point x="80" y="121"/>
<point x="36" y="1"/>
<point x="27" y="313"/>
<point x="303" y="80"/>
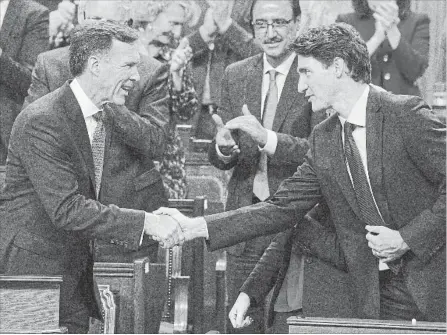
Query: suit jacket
<point x="327" y="290"/>
<point x="23" y="35"/>
<point x="242" y="84"/>
<point x="397" y="70"/>
<point x="406" y="163"/>
<point x="49" y="208"/>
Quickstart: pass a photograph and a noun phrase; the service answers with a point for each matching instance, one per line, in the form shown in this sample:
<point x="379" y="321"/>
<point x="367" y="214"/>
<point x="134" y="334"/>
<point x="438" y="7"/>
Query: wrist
<point x="393" y="35"/>
<point x="151" y="221"/>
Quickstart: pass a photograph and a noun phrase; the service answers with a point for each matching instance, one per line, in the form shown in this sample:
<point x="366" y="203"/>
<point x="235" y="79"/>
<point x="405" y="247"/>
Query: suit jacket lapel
<point x="374" y="149"/>
<point x="253" y="88"/>
<point x="338" y="166"/>
<point x="79" y="130"/>
<point x="290" y="97"/>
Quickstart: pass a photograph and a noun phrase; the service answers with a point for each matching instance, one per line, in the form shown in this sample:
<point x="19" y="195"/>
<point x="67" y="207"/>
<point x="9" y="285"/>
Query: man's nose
<point x="302" y="86"/>
<point x="270" y="31"/>
<point x="135" y="74"/>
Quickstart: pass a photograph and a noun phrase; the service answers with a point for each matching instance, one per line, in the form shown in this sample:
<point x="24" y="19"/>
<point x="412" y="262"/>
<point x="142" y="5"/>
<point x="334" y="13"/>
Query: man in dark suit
<point x="326" y="289"/>
<point x="23" y="35"/>
<point x="383" y="178"/>
<point x="279" y="127"/>
<point x="65" y="156"/>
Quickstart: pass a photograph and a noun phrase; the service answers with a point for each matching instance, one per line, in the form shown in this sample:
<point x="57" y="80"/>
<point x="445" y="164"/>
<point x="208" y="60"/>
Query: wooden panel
<point x="364" y="326"/>
<point x="29" y="303"/>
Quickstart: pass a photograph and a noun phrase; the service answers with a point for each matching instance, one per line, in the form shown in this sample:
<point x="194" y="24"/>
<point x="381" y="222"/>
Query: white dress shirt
<point x="88" y="108"/>
<point x="3" y="7"/>
<point x="358" y="117"/>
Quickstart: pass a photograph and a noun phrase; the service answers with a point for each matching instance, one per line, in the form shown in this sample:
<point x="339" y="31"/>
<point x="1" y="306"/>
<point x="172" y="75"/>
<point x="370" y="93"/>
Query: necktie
<point x="260" y="184"/>
<point x="368" y="209"/>
<point x="98" y="144"/>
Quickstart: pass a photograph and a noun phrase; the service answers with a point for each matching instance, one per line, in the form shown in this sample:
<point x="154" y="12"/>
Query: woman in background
<point x="161" y="26"/>
<point x="397" y="41"/>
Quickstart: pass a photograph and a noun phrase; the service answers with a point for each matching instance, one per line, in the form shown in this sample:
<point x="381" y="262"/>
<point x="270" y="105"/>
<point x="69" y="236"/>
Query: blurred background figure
<point x="161" y="25"/>
<point x="62" y="21"/>
<point x="397" y="41"/>
<point x="23" y="35"/>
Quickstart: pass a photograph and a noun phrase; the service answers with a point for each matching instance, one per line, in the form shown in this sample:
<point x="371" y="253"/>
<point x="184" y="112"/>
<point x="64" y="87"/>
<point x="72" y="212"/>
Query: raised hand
<point x="387" y="12"/>
<point x="225" y="141"/>
<point x="208" y="30"/>
<point x="181" y="56"/>
<point x="221" y="10"/>
<point x="386" y="244"/>
<point x="239" y="310"/>
<point x="164" y="229"/>
<point x="249" y="124"/>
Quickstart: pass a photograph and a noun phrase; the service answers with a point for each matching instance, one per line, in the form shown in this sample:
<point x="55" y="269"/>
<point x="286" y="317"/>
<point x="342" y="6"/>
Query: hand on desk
<point x="191" y="228"/>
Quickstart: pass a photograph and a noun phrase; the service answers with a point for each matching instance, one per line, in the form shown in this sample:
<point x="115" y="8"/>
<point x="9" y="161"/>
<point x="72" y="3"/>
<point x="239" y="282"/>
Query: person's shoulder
<point x="417" y="17"/>
<point x="243" y="65"/>
<point x="347" y="17"/>
<point x="31" y="6"/>
<point x="45" y="105"/>
<point x="58" y="55"/>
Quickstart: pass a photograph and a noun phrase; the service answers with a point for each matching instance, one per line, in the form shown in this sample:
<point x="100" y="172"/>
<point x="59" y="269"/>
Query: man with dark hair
<point x="379" y="163"/>
<point x="260" y="101"/>
<point x="61" y="164"/>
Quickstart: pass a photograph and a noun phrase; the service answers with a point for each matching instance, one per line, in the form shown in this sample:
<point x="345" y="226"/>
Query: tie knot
<point x="99" y="116"/>
<point x="350" y="127"/>
<point x="272" y="74"/>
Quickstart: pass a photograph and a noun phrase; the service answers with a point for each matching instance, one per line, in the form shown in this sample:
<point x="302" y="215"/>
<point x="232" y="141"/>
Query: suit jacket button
<point x="387" y="76"/>
<point x="385" y="58"/>
<point x="309" y="260"/>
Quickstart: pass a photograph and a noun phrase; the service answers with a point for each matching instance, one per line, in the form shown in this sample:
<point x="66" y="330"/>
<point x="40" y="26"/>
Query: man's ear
<point x="93" y="65"/>
<point x="340" y="67"/>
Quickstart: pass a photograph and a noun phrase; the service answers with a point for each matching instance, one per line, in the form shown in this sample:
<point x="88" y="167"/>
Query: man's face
<point x="316" y="82"/>
<point x="118" y="72"/>
<point x="168" y="25"/>
<point x="275" y="39"/>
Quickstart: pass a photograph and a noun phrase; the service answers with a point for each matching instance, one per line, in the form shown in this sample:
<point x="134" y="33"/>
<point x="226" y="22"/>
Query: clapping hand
<point x="181" y="56"/>
<point x="224" y="139"/>
<point x="387" y="14"/>
<point x="221" y="13"/>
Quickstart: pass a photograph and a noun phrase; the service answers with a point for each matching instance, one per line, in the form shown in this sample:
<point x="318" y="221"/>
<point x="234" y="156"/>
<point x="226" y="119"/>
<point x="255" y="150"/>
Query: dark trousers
<point x="396" y="302"/>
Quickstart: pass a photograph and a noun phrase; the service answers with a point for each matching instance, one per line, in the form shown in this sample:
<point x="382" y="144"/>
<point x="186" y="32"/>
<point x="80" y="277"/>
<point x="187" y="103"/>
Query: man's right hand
<point x="224" y="140"/>
<point x="164" y="229"/>
<point x="239" y="310"/>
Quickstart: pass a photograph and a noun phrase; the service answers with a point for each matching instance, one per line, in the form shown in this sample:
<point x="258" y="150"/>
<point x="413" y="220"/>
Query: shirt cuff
<point x="222" y="157"/>
<point x="272" y="143"/>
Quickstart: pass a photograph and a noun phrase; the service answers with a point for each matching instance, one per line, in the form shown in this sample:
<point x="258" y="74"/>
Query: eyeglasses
<point x="262" y="25"/>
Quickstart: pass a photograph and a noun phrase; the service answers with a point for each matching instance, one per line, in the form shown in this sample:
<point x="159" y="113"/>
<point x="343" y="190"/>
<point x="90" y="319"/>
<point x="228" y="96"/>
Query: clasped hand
<point x="386" y="244"/>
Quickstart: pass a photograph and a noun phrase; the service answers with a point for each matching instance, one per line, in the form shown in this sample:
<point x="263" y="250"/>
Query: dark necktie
<point x="368" y="210"/>
<point x="98" y="144"/>
<point x="260" y="183"/>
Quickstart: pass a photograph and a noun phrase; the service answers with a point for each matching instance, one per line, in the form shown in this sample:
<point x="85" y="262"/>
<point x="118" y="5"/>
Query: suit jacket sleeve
<point x="411" y="57"/>
<point x="264" y="275"/>
<point x="39" y="82"/>
<point x="425" y="142"/>
<point x="293" y="199"/>
<point x="144" y="126"/>
<point x="16" y="73"/>
<point x="47" y="160"/>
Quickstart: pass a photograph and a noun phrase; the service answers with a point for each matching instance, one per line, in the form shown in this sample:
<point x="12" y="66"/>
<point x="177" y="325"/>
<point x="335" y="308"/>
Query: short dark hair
<point x="295" y="4"/>
<point x="95" y="38"/>
<point x="325" y="43"/>
<point x="361" y="7"/>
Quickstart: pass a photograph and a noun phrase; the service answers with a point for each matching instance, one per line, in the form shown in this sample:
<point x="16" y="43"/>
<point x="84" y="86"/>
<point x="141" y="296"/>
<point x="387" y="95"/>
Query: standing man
<point x="273" y="122"/>
<point x="58" y="164"/>
<point x="23" y="35"/>
<point x="379" y="163"/>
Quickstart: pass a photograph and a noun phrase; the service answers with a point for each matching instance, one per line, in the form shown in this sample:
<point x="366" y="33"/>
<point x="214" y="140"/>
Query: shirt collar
<point x="88" y="108"/>
<point x="282" y="68"/>
<point x="358" y="112"/>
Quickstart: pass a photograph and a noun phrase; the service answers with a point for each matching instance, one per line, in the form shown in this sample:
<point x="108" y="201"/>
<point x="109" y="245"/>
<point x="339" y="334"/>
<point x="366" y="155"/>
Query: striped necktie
<point x="98" y="145"/>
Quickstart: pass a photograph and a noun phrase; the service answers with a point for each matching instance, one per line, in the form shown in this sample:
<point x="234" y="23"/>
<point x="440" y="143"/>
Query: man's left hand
<point x="386" y="244"/>
<point x="250" y="125"/>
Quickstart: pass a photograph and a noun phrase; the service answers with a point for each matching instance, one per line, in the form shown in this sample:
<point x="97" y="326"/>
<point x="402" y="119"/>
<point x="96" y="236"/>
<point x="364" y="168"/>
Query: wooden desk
<point x="311" y="325"/>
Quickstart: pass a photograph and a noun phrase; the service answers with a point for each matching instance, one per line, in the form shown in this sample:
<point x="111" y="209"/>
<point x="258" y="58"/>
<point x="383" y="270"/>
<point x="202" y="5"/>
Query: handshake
<point x="170" y="227"/>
